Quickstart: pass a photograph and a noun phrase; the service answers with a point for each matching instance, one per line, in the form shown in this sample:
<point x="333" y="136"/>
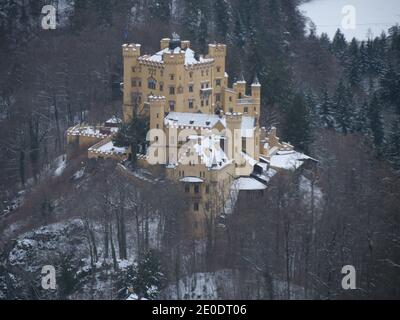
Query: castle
<point x="205" y="134"/>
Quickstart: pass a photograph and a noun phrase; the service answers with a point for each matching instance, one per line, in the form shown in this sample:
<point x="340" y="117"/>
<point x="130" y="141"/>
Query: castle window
<point x="218" y="69"/>
<point x="133" y="69"/>
<point x="190" y="104"/>
<point x="172" y="105"/>
<point x="180" y="89"/>
<point x="171" y="90"/>
<point x="207" y="72"/>
<point x="161" y="86"/>
<point x="202" y="73"/>
<point x="246" y="110"/>
<point x="158" y="115"/>
<point x="152" y="84"/>
<point x="240" y="95"/>
<point x="207" y="102"/>
<point x="172" y="77"/>
<point x="218" y="82"/>
<point x="158" y="127"/>
<point x="191" y="74"/>
<point x="202" y="103"/>
<point x="140" y="83"/>
<point x="191" y="88"/>
<point x="230" y="99"/>
<point x="218" y="97"/>
<point x="196" y="189"/>
<point x="196" y="206"/>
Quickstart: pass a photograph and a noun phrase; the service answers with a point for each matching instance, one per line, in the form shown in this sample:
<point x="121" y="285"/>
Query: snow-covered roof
<point x="108" y="148"/>
<point x="86" y="131"/>
<point x="208" y="151"/>
<point x="200" y="120"/>
<point x="288" y="160"/>
<point x="207" y="121"/>
<point x="114" y="120"/>
<point x="248" y="184"/>
<point x="191" y="180"/>
<point x="251" y="161"/>
<point x="189" y="56"/>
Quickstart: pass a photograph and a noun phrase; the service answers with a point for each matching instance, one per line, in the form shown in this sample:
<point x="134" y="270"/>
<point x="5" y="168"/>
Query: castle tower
<point x="256" y="95"/>
<point x="157" y="148"/>
<point x="174" y="74"/>
<point x="234" y="125"/>
<point x="157" y="107"/>
<point x="218" y="53"/>
<point x="240" y="87"/>
<point x="130" y="53"/>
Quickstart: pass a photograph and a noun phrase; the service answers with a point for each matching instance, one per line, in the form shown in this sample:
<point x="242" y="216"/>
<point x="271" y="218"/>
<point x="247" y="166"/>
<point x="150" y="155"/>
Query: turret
<point x="164" y="43"/>
<point x="256" y="89"/>
<point x="157" y="148"/>
<point x="234" y="126"/>
<point x="157" y="110"/>
<point x="218" y="53"/>
<point x="256" y="95"/>
<point x="240" y="87"/>
<point x="131" y="53"/>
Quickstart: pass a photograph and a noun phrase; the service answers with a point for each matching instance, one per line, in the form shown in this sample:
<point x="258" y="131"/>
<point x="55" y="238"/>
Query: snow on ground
<point x="374" y="15"/>
<point x="39" y="247"/>
<point x="201" y="286"/>
<point x="305" y="186"/>
<point x="248" y="184"/>
<point x="111" y="148"/>
<point x="288" y="160"/>
<point x="61" y="164"/>
<point x="220" y="284"/>
<point x="79" y="174"/>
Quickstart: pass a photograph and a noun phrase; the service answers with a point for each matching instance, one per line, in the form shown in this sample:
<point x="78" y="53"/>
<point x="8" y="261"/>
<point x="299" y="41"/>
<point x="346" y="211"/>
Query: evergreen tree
<point x="361" y="124"/>
<point x="133" y="135"/>
<point x="352" y="65"/>
<point x="325" y="111"/>
<point x="375" y="122"/>
<point x="343" y="101"/>
<point x="105" y="11"/>
<point x="339" y="44"/>
<point x="390" y="87"/>
<point x="161" y="10"/>
<point x="146" y="279"/>
<point x="222" y="14"/>
<point x="298" y="127"/>
<point x="393" y="145"/>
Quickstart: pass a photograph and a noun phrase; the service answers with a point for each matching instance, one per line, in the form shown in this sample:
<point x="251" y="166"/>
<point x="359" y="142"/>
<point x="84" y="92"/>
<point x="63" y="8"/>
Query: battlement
<point x="235" y="116"/>
<point x="174" y="58"/>
<point x="157" y="99"/>
<point x="131" y="50"/>
<point x="218" y="49"/>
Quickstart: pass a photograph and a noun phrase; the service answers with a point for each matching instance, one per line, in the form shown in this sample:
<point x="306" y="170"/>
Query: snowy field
<point x="372" y="16"/>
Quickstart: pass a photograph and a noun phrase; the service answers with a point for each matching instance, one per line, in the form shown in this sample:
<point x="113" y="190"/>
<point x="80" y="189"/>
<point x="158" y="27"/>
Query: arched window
<point x="152" y="84"/>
